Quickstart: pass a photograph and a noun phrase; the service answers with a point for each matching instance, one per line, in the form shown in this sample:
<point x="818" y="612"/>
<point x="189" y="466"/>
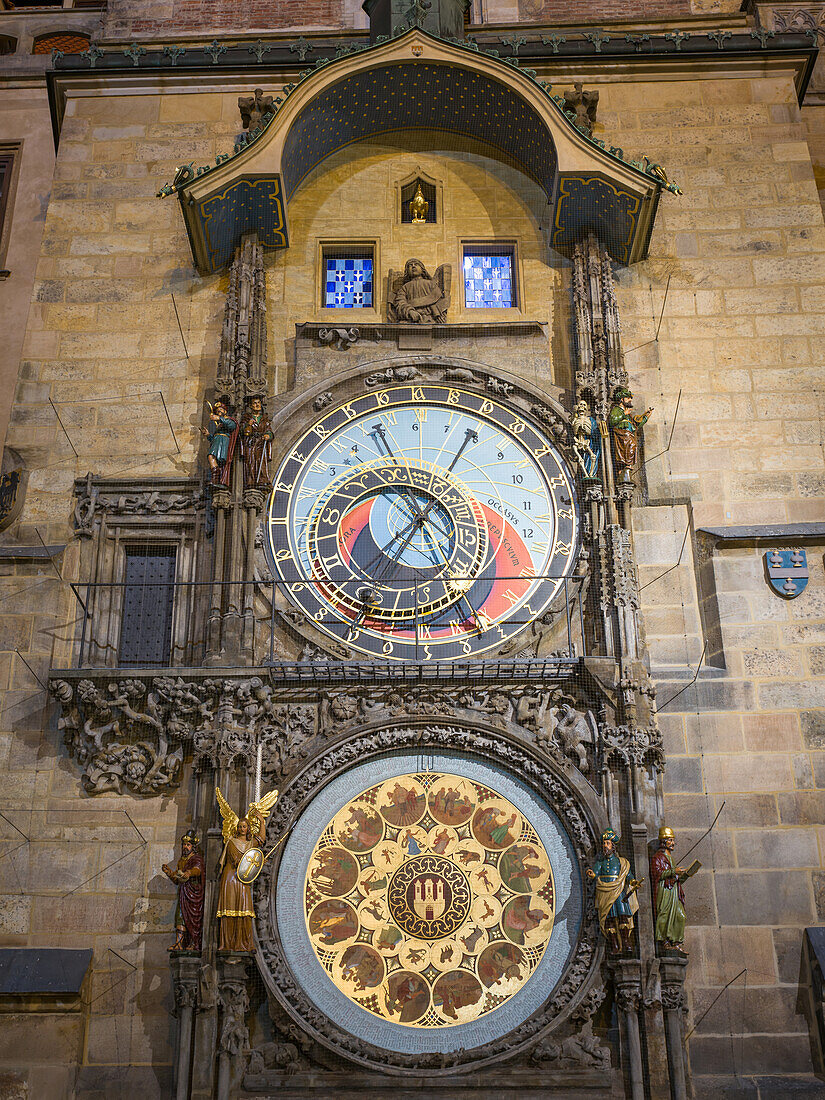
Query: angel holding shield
<point x="235" y="911"/>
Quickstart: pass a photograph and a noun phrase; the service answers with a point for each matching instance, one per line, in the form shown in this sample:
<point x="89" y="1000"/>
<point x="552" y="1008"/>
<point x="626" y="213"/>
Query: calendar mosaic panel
<point x="429" y="899"/>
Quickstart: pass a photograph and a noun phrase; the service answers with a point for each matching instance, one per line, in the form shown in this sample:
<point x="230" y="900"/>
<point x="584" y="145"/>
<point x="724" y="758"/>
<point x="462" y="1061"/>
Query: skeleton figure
<point x="587" y="442"/>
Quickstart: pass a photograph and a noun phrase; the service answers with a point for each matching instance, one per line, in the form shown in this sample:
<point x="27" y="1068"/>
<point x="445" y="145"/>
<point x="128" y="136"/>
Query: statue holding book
<point x="668" y="897"/>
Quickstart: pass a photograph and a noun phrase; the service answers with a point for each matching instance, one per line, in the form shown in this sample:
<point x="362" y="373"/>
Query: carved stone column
<point x="241" y="374"/>
<point x="233" y="1004"/>
<point x="628" y="991"/>
<point x="673" y="1005"/>
<point x="185" y="978"/>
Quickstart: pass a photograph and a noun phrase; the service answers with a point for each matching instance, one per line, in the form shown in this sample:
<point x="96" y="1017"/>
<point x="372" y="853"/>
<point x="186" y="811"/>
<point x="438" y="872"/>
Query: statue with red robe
<point x="189" y="877"/>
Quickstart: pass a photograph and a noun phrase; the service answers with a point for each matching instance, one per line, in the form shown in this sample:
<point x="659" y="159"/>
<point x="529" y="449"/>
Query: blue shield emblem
<point x="787" y="572"/>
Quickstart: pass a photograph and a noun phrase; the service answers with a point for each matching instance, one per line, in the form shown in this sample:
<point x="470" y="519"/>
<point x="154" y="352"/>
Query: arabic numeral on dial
<point x="415" y="427"/>
<point x="518" y="479"/>
<point x="528" y="532"/>
<point x="500" y="455"/>
<point x="526" y="505"/>
<point x="386" y="649"/>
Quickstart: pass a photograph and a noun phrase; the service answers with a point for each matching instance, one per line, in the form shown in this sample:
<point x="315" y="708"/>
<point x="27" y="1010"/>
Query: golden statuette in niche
<point x="429" y="900"/>
<point x="418" y="206"/>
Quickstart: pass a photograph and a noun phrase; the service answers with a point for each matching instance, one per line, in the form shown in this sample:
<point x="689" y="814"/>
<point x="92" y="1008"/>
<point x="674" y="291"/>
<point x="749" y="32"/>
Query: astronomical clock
<point x="429" y="896"/>
<point x="423" y="522"/>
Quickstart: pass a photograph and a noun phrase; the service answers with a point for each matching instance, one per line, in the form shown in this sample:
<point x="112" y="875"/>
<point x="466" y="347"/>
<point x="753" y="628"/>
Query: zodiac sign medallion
<point x="429" y="900"/>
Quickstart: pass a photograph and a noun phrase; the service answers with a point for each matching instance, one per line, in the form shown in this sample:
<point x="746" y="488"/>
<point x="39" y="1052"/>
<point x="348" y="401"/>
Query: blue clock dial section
<point x="423" y="522"/>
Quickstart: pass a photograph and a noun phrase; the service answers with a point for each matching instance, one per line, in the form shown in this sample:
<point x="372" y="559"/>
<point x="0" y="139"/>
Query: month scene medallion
<point x="429" y="899"/>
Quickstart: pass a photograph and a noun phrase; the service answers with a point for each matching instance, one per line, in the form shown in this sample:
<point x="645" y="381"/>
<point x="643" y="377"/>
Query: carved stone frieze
<point x="338" y="337"/>
<point x="581" y="1050"/>
<point x="97" y="497"/>
<point x="132" y="734"/>
<point x="628" y="745"/>
<point x="578" y="813"/>
<point x="796" y="18"/>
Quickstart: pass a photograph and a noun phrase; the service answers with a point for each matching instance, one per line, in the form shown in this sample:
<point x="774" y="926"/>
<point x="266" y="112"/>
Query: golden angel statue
<point x="240" y="836"/>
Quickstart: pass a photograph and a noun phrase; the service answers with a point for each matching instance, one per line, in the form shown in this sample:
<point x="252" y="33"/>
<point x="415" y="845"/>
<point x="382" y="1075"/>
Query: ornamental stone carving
<point x="131" y="735"/>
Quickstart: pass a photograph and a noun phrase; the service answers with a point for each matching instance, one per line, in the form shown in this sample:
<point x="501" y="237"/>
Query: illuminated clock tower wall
<point x="332" y="470"/>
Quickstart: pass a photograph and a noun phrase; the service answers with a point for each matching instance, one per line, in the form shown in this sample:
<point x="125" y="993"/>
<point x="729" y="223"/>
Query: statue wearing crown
<point x="188" y="875"/>
<point x="240" y="836"/>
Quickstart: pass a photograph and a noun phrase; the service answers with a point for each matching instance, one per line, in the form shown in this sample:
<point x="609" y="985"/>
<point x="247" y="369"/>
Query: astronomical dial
<point x="423" y="522"/>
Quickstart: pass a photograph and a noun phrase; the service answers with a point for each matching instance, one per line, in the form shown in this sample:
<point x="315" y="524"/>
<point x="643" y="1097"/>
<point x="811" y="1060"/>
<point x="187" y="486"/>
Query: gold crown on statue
<point x="666" y="833"/>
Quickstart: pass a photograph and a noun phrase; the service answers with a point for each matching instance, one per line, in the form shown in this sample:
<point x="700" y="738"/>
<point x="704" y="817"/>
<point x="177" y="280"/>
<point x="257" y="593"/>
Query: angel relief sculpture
<point x="414" y="297"/>
<point x="242" y="839"/>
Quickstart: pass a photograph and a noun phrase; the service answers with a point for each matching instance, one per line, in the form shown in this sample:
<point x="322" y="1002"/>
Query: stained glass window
<point x="347" y="282"/>
<point x="488" y="279"/>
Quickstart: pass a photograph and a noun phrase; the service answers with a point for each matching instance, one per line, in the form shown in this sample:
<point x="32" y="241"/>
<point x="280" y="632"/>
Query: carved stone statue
<point x="188" y="876"/>
<point x="625" y="425"/>
<point x="256" y="445"/>
<point x="615" y="900"/>
<point x="416" y="298"/>
<point x="254" y="107"/>
<point x="668" y="897"/>
<point x="583" y="105"/>
<point x="235" y="910"/>
<point x="222" y="434"/>
<point x="587" y="441"/>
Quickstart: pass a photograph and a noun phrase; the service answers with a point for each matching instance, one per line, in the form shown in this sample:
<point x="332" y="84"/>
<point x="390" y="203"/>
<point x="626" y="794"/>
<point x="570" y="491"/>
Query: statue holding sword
<point x="615" y="900"/>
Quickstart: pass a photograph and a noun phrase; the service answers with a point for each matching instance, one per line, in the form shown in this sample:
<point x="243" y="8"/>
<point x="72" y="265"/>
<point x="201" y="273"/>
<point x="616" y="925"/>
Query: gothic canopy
<point x="419" y="82"/>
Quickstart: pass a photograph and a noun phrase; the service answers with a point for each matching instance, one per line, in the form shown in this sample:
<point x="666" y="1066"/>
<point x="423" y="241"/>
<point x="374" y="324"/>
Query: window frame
<point x="11" y="152"/>
<point x="492" y="247"/>
<point x="331" y="249"/>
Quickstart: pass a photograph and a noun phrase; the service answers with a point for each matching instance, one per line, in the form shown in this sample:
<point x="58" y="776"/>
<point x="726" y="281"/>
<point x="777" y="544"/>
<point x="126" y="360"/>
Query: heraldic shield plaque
<point x="426" y="904"/>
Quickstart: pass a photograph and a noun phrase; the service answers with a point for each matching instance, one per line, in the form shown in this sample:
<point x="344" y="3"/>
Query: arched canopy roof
<point x="418" y="82"/>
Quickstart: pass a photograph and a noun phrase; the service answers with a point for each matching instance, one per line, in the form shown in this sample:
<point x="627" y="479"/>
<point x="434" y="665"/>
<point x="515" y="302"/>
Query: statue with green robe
<point x="668" y="897"/>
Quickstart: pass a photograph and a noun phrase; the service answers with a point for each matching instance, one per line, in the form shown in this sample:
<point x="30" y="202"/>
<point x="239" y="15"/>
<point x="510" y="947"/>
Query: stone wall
<point x="736" y="275"/>
<point x="736" y="278"/>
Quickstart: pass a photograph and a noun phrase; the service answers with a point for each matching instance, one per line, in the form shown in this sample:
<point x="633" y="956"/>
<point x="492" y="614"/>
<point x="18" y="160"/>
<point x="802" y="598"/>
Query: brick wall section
<point x="204" y="16"/>
<point x="593" y="12"/>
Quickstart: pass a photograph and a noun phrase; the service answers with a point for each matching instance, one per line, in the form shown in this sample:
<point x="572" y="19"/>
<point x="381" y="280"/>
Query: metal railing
<point x="202" y="609"/>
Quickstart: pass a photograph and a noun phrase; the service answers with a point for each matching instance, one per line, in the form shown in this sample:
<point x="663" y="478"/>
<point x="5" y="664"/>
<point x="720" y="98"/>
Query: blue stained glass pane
<point x="488" y="281"/>
<point x="348" y="283"/>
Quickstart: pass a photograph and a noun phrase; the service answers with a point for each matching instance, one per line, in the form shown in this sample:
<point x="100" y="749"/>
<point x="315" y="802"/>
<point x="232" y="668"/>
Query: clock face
<point x="423" y="522"/>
